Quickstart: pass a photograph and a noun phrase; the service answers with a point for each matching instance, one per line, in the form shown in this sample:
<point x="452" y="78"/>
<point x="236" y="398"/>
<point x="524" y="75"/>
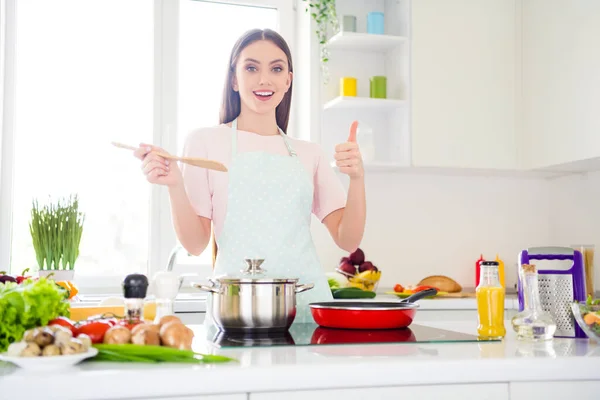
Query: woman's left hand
<point x="347" y="156"/>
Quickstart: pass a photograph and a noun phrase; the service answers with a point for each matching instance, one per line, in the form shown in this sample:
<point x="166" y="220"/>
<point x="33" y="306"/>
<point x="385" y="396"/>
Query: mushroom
<point x="117" y="335"/>
<point x="62" y="336"/>
<point x="177" y="335"/>
<point x="166" y="319"/>
<point x="145" y="334"/>
<point x="16" y="348"/>
<point x="86" y="340"/>
<point x="29" y="334"/>
<point x="51" y="350"/>
<point x="74" y="346"/>
<point x="43" y="337"/>
<point x="32" y="350"/>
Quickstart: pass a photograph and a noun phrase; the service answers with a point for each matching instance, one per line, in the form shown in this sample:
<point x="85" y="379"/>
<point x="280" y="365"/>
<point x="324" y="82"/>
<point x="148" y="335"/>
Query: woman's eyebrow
<point x="258" y="62"/>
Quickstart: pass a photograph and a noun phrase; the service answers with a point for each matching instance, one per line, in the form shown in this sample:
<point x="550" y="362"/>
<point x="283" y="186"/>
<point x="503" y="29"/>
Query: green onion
<point x="56" y="233"/>
<point x="150" y="353"/>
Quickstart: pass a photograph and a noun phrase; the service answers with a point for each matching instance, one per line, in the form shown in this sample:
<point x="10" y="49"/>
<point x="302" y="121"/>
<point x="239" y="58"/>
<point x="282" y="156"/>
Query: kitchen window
<point x="79" y="74"/>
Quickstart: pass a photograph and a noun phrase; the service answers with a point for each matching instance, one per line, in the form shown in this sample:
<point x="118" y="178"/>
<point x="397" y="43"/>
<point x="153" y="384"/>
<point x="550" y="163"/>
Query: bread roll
<point x="442" y="283"/>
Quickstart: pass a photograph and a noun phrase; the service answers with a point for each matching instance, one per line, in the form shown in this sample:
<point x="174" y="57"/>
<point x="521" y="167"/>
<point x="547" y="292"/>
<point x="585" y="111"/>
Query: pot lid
<point x="253" y="273"/>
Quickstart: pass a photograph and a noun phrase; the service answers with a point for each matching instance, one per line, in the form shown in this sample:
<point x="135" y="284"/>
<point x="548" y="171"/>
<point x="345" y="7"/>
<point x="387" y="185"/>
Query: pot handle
<point x="304" y="288"/>
<point x="205" y="288"/>
<point x="419" y="295"/>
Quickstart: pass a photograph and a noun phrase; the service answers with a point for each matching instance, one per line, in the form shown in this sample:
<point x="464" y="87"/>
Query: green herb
<point x="153" y="354"/>
<point x="31" y="304"/>
<point x="56" y="233"/>
<point x="325" y="15"/>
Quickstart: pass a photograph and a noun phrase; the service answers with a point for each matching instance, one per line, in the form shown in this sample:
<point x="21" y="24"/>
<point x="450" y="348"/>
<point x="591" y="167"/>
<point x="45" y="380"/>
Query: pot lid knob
<point x="254" y="266"/>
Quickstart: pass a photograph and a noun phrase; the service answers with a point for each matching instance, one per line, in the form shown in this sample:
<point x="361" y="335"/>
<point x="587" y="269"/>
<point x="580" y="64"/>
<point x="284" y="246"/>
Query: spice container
<point x="490" y="303"/>
<point x="533" y="323"/>
<point x="135" y="287"/>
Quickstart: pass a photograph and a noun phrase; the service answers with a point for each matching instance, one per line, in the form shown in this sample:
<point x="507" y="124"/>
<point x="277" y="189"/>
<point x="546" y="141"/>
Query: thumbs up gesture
<point x="347" y="155"/>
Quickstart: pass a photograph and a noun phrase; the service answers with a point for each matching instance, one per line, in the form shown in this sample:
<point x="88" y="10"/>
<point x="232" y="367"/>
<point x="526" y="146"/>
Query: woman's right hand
<point x="158" y="169"/>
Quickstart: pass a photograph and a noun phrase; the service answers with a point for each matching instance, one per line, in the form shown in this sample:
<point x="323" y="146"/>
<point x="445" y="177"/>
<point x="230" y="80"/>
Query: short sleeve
<point x="196" y="180"/>
<point x="329" y="194"/>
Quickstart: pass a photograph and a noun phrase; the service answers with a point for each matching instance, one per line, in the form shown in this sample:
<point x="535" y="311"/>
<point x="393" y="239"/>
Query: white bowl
<point x="41" y="363"/>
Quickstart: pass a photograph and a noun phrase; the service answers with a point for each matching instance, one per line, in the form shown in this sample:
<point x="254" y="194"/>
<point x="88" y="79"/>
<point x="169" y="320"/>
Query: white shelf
<point x="364" y="42"/>
<point x="364" y="103"/>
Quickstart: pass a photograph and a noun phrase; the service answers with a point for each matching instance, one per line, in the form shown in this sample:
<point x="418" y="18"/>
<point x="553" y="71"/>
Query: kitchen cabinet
<point x="239" y="396"/>
<point x="583" y="390"/>
<point x="561" y="83"/>
<point x="446" y="392"/>
<point x="464" y="83"/>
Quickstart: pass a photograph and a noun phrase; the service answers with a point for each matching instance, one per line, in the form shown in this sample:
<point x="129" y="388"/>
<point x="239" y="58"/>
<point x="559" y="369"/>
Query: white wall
<point x="420" y="225"/>
<point x="575" y="213"/>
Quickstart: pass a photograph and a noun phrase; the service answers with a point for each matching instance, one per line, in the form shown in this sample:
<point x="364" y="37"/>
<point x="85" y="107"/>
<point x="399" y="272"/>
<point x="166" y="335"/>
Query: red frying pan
<point x="368" y="314"/>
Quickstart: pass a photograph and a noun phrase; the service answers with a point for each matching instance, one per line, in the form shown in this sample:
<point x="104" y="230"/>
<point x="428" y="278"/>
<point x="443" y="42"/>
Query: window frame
<point x="162" y="238"/>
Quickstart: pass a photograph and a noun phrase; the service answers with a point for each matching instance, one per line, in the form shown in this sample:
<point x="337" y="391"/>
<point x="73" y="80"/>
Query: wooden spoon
<point x="197" y="162"/>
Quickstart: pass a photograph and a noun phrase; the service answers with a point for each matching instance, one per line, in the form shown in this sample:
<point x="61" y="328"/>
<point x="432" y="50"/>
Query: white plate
<point x="49" y="362"/>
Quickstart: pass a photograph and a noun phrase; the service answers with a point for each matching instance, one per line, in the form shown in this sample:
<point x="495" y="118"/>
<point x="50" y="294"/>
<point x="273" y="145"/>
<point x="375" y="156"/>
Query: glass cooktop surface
<point x="312" y="334"/>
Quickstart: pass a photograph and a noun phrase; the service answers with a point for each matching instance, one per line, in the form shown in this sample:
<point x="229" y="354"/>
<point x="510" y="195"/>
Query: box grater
<point x="561" y="280"/>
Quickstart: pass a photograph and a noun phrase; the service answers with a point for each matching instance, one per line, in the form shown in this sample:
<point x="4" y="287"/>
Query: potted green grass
<point x="56" y="229"/>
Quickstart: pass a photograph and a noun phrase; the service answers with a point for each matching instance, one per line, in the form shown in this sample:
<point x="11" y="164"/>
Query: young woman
<point x="261" y="207"/>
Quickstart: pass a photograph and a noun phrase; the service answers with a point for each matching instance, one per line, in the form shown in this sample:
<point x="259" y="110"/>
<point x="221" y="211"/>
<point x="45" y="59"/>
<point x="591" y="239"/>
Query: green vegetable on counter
<point x="333" y="284"/>
<point x="153" y="354"/>
<point x="352" y="293"/>
<point x="31" y="304"/>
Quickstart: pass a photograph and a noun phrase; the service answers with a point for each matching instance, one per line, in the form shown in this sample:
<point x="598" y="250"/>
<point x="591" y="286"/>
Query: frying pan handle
<point x="419" y="295"/>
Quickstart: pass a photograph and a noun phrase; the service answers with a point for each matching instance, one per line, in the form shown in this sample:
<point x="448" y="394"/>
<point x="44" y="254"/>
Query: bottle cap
<point x="135" y="286"/>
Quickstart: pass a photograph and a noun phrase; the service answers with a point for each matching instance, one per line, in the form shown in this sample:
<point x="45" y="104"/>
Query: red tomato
<point x="64" y="321"/>
<point x="424" y="287"/>
<point x="398" y="288"/>
<point x="95" y="330"/>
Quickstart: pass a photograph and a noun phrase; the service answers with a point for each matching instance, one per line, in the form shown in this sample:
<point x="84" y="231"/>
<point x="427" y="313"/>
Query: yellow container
<point x="348" y="86"/>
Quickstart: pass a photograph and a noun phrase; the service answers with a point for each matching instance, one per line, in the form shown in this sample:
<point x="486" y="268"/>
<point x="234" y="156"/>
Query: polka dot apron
<point x="268" y="216"/>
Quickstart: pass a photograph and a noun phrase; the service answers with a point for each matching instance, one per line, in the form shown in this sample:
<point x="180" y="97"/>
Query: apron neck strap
<point x="290" y="150"/>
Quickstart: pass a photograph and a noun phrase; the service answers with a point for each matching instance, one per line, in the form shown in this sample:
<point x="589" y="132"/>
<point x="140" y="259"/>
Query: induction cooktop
<point x="314" y="335"/>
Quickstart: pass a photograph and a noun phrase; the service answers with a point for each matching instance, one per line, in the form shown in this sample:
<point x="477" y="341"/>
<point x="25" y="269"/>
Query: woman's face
<point x="262" y="76"/>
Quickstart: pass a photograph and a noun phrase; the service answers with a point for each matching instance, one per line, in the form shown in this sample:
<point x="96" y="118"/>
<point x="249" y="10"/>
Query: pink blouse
<point x="207" y="189"/>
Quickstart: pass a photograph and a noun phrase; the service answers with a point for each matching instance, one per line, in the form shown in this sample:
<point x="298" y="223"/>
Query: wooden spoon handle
<point x="198" y="162"/>
<point x="128" y="147"/>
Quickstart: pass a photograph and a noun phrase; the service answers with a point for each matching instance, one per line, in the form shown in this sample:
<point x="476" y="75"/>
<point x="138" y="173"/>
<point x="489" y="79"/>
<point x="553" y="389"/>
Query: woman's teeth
<point x="263" y="95"/>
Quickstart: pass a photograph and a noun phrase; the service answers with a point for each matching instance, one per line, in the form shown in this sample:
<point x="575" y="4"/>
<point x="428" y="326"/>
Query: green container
<point x="378" y="87"/>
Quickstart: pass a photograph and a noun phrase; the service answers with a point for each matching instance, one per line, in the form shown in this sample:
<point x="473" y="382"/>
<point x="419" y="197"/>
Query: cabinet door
<point x="582" y="390"/>
<point x="463" y="83"/>
<point x="561" y="83"/>
<point x="446" y="392"/>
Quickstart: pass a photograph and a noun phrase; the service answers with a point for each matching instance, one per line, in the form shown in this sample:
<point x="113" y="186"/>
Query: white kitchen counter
<point x="502" y="370"/>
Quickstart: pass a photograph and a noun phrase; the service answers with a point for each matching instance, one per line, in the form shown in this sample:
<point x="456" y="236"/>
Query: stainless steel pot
<point x="253" y="302"/>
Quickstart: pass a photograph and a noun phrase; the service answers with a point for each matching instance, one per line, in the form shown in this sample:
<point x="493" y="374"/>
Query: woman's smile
<point x="263" y="95"/>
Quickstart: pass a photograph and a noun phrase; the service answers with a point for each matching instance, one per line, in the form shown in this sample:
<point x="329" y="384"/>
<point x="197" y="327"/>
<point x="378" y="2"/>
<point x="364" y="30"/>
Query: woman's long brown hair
<point x="231" y="104"/>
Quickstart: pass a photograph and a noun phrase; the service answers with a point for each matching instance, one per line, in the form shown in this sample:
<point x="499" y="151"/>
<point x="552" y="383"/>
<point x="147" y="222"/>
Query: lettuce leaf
<point x="31" y="304"/>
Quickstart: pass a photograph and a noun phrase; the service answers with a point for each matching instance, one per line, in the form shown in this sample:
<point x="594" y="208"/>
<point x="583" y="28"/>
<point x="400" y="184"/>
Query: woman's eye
<point x="277" y="69"/>
<point x="251" y="68"/>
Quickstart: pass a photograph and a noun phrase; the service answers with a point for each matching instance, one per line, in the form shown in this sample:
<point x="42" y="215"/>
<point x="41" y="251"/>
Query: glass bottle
<point x="135" y="287"/>
<point x="166" y="286"/>
<point x="490" y="303"/>
<point x="533" y="323"/>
